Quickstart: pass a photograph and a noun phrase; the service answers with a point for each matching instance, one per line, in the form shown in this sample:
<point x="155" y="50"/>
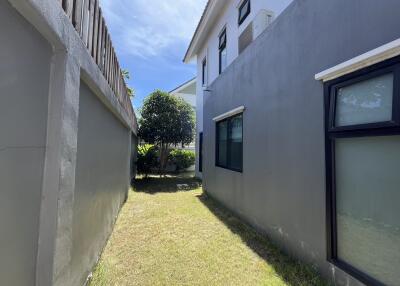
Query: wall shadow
<point x="169" y="184"/>
<point x="290" y="270"/>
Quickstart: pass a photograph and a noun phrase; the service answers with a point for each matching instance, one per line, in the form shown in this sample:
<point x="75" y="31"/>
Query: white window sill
<point x="370" y="58"/>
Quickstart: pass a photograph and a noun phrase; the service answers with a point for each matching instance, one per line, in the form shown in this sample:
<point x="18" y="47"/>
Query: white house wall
<point x="228" y="18"/>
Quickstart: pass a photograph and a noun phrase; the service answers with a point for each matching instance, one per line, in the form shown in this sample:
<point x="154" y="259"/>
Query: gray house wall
<point x="66" y="146"/>
<point x="282" y="188"/>
<point x="24" y="88"/>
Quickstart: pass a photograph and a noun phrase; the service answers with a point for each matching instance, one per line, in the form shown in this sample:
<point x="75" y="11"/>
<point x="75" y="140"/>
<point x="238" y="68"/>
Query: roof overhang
<point x="210" y="15"/>
<point x="183" y="86"/>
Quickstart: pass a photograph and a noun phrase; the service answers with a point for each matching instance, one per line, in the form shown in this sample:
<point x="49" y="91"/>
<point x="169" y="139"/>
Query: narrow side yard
<point x="170" y="233"/>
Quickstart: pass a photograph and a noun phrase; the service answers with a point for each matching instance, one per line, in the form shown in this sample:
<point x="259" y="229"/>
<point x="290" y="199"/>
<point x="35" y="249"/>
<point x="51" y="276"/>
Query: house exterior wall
<point x="282" y="188"/>
<point x="188" y="98"/>
<point x="228" y="18"/>
<point x="46" y="172"/>
<point x="24" y="88"/>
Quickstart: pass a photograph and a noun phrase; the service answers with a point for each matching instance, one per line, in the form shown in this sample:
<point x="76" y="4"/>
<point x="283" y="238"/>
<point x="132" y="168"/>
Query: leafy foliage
<point x="166" y="121"/>
<point x="147" y="159"/>
<point x="126" y="75"/>
<point x="182" y="159"/>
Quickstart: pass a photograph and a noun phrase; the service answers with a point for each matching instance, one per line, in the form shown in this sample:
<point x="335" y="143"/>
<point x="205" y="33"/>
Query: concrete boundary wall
<point x="69" y="64"/>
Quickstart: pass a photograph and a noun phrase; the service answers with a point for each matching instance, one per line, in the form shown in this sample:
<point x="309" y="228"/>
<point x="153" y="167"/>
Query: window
<point x="244" y="11"/>
<point x="222" y="51"/>
<point x="201" y="152"/>
<point x="204" y="72"/>
<point x="363" y="159"/>
<point x="229" y="143"/>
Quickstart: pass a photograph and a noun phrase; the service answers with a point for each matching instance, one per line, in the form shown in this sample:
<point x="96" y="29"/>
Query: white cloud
<point x="146" y="28"/>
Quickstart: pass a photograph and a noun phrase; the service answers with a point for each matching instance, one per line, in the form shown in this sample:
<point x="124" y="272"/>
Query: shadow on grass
<point x="290" y="270"/>
<point x="168" y="184"/>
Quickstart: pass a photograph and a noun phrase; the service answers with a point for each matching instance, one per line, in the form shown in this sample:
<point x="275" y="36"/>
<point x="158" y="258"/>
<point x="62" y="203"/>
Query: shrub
<point x="182" y="159"/>
<point x="147" y="159"/>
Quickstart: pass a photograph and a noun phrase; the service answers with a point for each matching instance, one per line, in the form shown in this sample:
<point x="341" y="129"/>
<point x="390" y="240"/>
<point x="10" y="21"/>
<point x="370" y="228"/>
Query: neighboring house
<point x="302" y="134"/>
<point x="225" y="30"/>
<point x="68" y="132"/>
<point x="187" y="92"/>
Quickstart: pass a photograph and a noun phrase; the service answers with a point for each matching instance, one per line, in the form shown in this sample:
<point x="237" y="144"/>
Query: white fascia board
<point x="211" y="13"/>
<point x="230" y="113"/>
<point x="370" y="58"/>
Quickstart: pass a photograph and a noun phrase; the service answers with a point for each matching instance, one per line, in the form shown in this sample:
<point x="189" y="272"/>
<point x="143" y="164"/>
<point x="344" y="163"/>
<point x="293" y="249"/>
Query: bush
<point x="147" y="159"/>
<point x="182" y="159"/>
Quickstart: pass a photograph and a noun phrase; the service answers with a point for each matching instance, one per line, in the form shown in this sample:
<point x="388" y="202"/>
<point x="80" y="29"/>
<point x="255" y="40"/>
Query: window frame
<point x="244" y="17"/>
<point x="332" y="133"/>
<point x="228" y="148"/>
<point x="221" y="47"/>
<point x="201" y="142"/>
<point x="204" y="72"/>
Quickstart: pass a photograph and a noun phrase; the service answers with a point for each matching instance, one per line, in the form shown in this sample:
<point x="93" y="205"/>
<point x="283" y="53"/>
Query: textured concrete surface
<point x="282" y="188"/>
<point x="43" y="62"/>
<point x="24" y="87"/>
<point x="102" y="181"/>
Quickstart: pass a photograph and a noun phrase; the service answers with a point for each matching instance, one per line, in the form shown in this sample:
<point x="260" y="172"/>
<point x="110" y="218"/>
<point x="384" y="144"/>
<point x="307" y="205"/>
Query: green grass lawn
<point x="170" y="233"/>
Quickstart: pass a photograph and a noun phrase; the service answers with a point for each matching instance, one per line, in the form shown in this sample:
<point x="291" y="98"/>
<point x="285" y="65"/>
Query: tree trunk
<point x="163" y="158"/>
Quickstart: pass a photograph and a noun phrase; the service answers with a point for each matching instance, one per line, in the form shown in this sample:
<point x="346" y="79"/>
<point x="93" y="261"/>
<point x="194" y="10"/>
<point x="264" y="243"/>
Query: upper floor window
<point x="204" y="72"/>
<point x="244" y="11"/>
<point x="223" y="61"/>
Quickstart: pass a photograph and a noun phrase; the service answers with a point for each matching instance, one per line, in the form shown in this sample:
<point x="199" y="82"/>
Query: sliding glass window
<point x="229" y="143"/>
<point x="363" y="182"/>
<point x="223" y="56"/>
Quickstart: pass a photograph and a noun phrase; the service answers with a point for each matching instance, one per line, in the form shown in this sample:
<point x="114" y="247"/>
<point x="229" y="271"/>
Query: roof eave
<point x="208" y="14"/>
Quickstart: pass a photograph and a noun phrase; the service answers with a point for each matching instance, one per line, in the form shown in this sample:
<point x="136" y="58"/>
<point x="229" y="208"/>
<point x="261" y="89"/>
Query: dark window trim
<point x="241" y="20"/>
<point x="222" y="47"/>
<point x="365" y="75"/>
<point x="203" y="67"/>
<point x="365" y="130"/>
<point x="239" y="170"/>
<point x="201" y="152"/>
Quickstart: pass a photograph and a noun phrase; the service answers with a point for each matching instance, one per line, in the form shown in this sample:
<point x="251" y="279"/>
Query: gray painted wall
<point x="102" y="181"/>
<point x="24" y="90"/>
<point x="65" y="149"/>
<point x="282" y="188"/>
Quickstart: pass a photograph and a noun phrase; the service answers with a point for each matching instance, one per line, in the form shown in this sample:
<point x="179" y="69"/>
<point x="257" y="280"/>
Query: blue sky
<point x="151" y="38"/>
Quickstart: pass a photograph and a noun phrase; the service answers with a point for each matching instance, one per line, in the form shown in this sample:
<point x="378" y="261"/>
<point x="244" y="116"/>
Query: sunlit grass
<point x="170" y="233"/>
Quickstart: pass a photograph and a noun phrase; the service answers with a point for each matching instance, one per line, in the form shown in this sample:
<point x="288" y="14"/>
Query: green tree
<point x="126" y="75"/>
<point x="166" y="121"/>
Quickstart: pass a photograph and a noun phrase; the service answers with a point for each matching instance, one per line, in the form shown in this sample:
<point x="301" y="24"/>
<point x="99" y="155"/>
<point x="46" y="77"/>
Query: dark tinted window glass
<point x="244" y="11"/>
<point x="230" y="143"/>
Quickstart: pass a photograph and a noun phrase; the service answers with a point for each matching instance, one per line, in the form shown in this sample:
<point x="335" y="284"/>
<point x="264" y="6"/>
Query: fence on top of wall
<point x="87" y="18"/>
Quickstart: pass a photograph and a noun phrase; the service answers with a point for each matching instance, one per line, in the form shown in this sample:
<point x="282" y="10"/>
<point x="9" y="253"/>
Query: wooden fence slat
<point x="77" y="16"/>
<point x="95" y="29"/>
<point x="114" y="70"/>
<point x="103" y="46"/>
<point x="107" y="55"/>
<point x="112" y="67"/>
<point x="105" y="51"/>
<point x="91" y="20"/>
<point x="85" y="22"/>
<point x="68" y="6"/>
<point x="99" y="39"/>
